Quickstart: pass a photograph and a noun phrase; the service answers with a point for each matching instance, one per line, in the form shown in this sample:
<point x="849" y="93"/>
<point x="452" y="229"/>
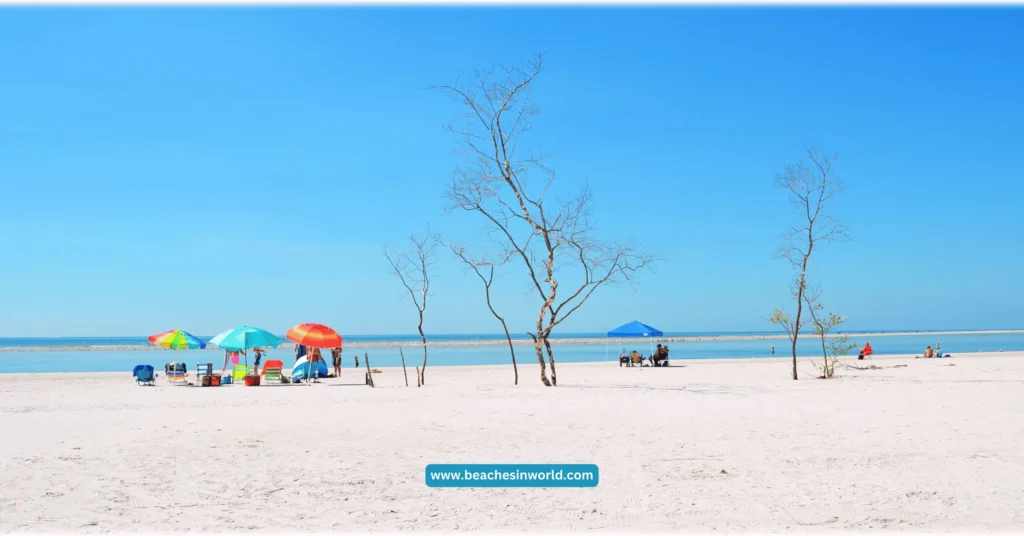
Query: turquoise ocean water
<point x="124" y="360"/>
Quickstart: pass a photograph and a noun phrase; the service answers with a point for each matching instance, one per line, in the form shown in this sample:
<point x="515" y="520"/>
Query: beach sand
<point x="702" y="445"/>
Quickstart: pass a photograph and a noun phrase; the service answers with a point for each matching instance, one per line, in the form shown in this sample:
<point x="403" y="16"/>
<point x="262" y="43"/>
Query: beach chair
<point x="239" y="373"/>
<point x="177" y="374"/>
<point x="272" y="375"/>
<point x="144" y="375"/>
<point x="203" y="369"/>
<point x="272" y="371"/>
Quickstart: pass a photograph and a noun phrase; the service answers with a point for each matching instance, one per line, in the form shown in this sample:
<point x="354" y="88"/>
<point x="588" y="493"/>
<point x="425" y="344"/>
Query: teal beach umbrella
<point x="243" y="338"/>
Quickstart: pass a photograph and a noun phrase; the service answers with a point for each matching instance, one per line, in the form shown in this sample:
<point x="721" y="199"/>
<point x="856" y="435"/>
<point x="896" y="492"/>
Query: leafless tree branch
<point x="412" y="267"/>
<point x="553" y="239"/>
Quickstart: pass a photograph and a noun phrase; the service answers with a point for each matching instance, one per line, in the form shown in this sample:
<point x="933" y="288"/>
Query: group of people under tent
<point x="634" y="358"/>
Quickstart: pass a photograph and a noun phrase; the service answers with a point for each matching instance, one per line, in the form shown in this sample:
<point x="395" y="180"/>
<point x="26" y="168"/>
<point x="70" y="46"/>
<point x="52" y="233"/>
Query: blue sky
<point x="206" y="168"/>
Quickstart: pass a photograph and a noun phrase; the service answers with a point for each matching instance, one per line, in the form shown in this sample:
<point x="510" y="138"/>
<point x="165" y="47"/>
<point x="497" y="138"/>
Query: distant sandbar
<point x="522" y="342"/>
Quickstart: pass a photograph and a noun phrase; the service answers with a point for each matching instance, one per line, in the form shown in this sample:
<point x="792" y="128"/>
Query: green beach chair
<point x="272" y="375"/>
<point x="239" y="373"/>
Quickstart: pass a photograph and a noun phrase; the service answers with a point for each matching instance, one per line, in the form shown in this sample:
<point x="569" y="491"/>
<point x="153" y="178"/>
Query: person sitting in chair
<point x="664" y="356"/>
<point x="623" y="360"/>
<point x="658" y="356"/>
<point x="866" y="351"/>
<point x="635" y="358"/>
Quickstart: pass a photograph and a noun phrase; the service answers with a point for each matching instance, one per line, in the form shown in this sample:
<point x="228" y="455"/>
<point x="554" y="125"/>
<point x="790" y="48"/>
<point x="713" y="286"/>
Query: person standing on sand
<point x="357" y="360"/>
<point x="336" y="359"/>
<point x="258" y="353"/>
<point x="773" y="350"/>
<point x="227" y="359"/>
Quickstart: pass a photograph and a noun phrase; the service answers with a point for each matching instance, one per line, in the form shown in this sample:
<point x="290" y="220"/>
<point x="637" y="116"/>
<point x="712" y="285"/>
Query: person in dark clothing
<point x="336" y="361"/>
<point x="658" y="356"/>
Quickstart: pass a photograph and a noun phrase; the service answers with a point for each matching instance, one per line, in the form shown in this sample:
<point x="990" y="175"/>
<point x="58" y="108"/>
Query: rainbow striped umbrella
<point x="314" y="335"/>
<point x="177" y="339"/>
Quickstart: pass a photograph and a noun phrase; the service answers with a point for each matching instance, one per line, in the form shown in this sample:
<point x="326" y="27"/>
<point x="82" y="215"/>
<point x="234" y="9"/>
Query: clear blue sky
<point x="167" y="168"/>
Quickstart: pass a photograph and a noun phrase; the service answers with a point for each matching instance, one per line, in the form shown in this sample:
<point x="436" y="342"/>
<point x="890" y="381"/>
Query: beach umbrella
<point x="176" y="339"/>
<point x="314" y="336"/>
<point x="243" y="338"/>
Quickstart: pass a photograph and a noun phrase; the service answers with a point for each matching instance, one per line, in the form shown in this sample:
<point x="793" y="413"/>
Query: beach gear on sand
<point x="177" y="339"/>
<point x="272" y="374"/>
<point x="312" y="336"/>
<point x="144" y="375"/>
<point x="203" y="370"/>
<point x="632" y="330"/>
<point x="177" y="373"/>
<point x="244" y="337"/>
<point x="239" y="373"/>
<point x="271" y="363"/>
<point x="301" y="369"/>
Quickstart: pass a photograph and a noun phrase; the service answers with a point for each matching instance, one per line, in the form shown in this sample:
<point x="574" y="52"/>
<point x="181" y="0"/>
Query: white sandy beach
<point x="702" y="445"/>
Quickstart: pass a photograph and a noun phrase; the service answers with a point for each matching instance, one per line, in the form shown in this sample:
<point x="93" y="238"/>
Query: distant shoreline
<point x="522" y="342"/>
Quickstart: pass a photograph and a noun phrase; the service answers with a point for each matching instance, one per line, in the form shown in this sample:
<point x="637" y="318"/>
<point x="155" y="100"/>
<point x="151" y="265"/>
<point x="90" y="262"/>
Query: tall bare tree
<point x="512" y="190"/>
<point x="412" y="268"/>
<point x="810" y="186"/>
<point x="480" y="267"/>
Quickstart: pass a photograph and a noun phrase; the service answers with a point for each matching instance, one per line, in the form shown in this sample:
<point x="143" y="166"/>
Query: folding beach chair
<point x="144" y="375"/>
<point x="177" y="374"/>
<point x="203" y="369"/>
<point x="239" y="373"/>
<point x="272" y="375"/>
<point x="272" y="371"/>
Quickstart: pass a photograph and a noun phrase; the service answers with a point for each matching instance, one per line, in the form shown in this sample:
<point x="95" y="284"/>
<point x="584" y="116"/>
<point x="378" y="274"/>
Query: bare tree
<point x="480" y="267"/>
<point x="810" y="186"/>
<point x="832" y="346"/>
<point x="511" y="189"/>
<point x="412" y="268"/>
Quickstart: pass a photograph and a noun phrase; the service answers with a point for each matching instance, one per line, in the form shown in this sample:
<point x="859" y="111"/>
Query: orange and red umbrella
<point x="314" y="336"/>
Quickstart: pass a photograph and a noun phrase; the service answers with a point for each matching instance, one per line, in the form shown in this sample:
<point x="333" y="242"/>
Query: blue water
<point x="125" y="360"/>
<point x="36" y="342"/>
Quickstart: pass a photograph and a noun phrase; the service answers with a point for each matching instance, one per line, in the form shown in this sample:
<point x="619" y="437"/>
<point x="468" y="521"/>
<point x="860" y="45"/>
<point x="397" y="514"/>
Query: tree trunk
<point x="551" y="360"/>
<point x="826" y="370"/>
<point x="799" y="309"/>
<point x="539" y="348"/>
<point x="406" y="374"/>
<point x="423" y="338"/>
<point x="512" y="349"/>
<point x="417" y="377"/>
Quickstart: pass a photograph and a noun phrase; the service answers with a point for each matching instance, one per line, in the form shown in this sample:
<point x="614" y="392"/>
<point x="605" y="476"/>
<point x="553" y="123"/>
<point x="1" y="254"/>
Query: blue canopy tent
<point x="633" y="330"/>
